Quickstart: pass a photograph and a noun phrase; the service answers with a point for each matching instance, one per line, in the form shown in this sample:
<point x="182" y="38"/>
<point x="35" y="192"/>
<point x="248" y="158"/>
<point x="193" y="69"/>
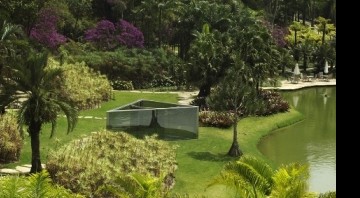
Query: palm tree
<point x="251" y="177"/>
<point x="37" y="87"/>
<point x="237" y="95"/>
<point x="8" y="32"/>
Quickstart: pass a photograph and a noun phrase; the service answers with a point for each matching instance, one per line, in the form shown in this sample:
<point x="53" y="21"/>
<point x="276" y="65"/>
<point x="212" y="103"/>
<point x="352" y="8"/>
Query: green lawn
<point x="199" y="159"/>
<point x="202" y="159"/>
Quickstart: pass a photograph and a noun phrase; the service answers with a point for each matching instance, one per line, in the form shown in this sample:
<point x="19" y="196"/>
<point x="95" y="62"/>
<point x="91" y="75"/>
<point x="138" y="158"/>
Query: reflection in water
<point x="311" y="141"/>
<point x="295" y="100"/>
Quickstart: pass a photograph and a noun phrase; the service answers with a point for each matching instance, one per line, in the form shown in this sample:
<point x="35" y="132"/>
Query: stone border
<point x="286" y="85"/>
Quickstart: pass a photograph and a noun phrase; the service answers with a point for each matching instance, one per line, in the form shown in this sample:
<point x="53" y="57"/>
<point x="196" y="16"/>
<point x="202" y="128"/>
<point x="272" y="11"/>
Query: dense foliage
<point x="35" y="185"/>
<point x="45" y="30"/>
<point x="107" y="35"/>
<point x="273" y="103"/>
<point x="119" y="157"/>
<point x="10" y="138"/>
<point x="82" y="86"/>
<point x="145" y="68"/>
<point x="251" y="177"/>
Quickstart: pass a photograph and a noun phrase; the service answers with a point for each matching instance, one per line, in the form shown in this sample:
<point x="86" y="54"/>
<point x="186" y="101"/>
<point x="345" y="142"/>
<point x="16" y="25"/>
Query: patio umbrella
<point x="296" y="70"/>
<point x="326" y="68"/>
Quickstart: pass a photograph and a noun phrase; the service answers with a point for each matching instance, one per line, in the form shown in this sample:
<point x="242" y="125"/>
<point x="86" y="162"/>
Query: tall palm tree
<point x="37" y="86"/>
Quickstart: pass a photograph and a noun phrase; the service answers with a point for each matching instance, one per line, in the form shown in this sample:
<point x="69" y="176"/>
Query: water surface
<point x="311" y="141"/>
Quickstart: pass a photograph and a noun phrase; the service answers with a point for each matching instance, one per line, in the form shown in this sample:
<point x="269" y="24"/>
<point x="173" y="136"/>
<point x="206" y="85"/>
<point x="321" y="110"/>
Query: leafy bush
<point x="10" y="139"/>
<point x="122" y="85"/>
<point x="145" y="68"/>
<point x="330" y="194"/>
<point x="36" y="185"/>
<point x="110" y="160"/>
<point x="273" y="103"/>
<point x="82" y="86"/>
<point x="216" y="119"/>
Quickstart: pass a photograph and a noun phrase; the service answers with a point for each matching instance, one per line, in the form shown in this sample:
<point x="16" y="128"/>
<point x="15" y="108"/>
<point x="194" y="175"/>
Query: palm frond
<point x="70" y="112"/>
<point x="11" y="187"/>
<point x="39" y="184"/>
<point x="290" y="181"/>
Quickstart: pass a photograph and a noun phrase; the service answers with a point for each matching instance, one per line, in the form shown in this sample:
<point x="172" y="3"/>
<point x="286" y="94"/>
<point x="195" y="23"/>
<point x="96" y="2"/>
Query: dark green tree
<point x="36" y="87"/>
<point x="208" y="60"/>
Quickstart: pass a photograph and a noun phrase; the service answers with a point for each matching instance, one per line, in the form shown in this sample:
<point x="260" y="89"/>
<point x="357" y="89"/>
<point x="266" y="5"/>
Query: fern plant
<point x="251" y="177"/>
<point x="37" y="185"/>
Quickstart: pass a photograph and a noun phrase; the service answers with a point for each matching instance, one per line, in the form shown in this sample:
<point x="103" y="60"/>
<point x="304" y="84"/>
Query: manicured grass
<point x="84" y="126"/>
<point x="199" y="160"/>
<point x="202" y="159"/>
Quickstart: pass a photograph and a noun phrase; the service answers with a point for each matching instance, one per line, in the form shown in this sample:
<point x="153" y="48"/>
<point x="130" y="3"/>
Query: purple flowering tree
<point x="106" y="35"/>
<point x="130" y="36"/>
<point x="103" y="35"/>
<point x="45" y="29"/>
<point x="278" y="33"/>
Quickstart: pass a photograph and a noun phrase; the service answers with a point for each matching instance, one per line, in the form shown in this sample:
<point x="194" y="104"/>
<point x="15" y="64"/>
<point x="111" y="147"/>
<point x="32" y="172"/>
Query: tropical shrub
<point x="107" y="35"/>
<point x="122" y="85"/>
<point x="120" y="159"/>
<point x="145" y="68"/>
<point x="330" y="194"/>
<point x="216" y="119"/>
<point x="35" y="185"/>
<point x="83" y="86"/>
<point x="45" y="30"/>
<point x="10" y="138"/>
<point x="251" y="177"/>
<point x="273" y="103"/>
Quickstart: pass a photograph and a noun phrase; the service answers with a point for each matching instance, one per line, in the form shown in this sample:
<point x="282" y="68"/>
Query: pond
<point x="312" y="140"/>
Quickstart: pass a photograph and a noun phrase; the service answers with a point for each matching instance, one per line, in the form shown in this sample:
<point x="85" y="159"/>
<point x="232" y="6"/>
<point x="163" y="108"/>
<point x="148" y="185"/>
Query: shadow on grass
<point x="207" y="156"/>
<point x="162" y="133"/>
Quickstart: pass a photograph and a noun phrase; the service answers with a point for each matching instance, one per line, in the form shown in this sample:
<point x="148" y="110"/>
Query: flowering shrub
<point x="45" y="29"/>
<point x="278" y="33"/>
<point x="103" y="35"/>
<point x="130" y="36"/>
<point x="118" y="84"/>
<point x="216" y="119"/>
<point x="106" y="35"/>
<point x="273" y="103"/>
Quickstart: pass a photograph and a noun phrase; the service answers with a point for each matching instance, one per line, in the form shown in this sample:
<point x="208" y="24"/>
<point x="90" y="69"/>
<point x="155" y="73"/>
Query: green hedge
<point x="10" y="139"/>
<point x="113" y="160"/>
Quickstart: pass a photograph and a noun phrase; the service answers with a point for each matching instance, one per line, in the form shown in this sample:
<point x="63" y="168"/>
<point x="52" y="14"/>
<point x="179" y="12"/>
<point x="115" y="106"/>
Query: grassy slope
<point x="199" y="159"/>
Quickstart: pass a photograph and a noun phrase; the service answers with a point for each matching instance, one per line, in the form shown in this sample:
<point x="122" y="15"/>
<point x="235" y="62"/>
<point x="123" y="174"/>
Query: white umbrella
<point x="296" y="70"/>
<point x="326" y="68"/>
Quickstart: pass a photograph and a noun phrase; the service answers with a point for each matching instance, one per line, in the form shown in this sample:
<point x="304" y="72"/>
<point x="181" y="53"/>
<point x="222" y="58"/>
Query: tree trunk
<point x="235" y="149"/>
<point x="305" y="62"/>
<point x="34" y="130"/>
<point x="204" y="90"/>
<point x="2" y="110"/>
